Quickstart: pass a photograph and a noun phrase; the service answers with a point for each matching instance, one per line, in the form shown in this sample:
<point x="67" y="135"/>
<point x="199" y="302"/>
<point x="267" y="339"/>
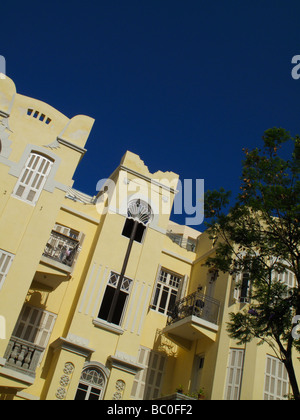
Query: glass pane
<point x="81" y="392"/>
<point x="106" y="303"/>
<point x="20" y="191"/>
<point x="95" y="394"/>
<point x="31" y="195"/>
<point x="163" y="300"/>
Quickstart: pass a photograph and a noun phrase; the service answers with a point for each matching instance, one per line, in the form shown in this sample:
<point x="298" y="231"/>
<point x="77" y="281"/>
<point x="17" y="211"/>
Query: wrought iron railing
<point x="22" y="356"/>
<point x="61" y="248"/>
<point x="196" y="304"/>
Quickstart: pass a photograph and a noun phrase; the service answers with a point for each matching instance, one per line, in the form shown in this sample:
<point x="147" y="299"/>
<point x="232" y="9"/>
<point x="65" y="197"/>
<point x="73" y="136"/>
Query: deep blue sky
<point x="184" y="84"/>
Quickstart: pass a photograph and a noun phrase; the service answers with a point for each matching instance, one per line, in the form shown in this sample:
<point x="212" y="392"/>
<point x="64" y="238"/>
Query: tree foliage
<point x="260" y="234"/>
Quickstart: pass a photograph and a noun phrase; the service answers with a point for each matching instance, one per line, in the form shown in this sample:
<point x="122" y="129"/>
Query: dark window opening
<point x="81" y="392"/>
<point x="128" y="227"/>
<point x="106" y="305"/>
<point x="245" y="287"/>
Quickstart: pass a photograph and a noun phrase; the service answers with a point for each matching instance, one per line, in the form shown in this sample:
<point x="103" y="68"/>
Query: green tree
<point x="259" y="234"/>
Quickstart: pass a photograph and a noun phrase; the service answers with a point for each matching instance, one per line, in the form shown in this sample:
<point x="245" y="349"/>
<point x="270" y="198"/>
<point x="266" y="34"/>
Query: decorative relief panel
<point x="64" y="381"/>
<point x="120" y="388"/>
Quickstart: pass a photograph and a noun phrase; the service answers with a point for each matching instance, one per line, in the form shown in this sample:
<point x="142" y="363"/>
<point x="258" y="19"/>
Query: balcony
<point x="193" y="317"/>
<point x="61" y="251"/>
<point x="22" y="357"/>
<point x="187" y="243"/>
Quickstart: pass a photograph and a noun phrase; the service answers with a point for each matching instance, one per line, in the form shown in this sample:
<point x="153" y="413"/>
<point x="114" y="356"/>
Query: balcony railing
<point x="186" y="243"/>
<point x="22" y="356"/>
<point x="61" y="248"/>
<point x="197" y="304"/>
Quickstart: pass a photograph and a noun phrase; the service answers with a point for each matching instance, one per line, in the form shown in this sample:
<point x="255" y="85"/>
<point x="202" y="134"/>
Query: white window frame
<point x="234" y="374"/>
<point x="91" y="382"/>
<point x="286" y="277"/>
<point x="276" y="386"/>
<point x="166" y="283"/>
<point x="6" y="259"/>
<point x="238" y="288"/>
<point x="126" y="288"/>
<point x="33" y="178"/>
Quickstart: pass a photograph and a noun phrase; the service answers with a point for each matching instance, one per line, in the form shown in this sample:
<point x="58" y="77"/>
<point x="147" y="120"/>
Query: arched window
<point x="91" y="385"/>
<point x="33" y="178"/>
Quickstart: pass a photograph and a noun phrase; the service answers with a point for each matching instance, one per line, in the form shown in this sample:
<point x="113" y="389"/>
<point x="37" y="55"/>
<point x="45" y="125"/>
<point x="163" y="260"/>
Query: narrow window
<point x="245" y="288"/>
<point x="242" y="290"/>
<point x="108" y="298"/>
<point x="147" y="383"/>
<point x="234" y="374"/>
<point x="29" y="111"/>
<point x="5" y="263"/>
<point x="33" y="178"/>
<point x="197" y="373"/>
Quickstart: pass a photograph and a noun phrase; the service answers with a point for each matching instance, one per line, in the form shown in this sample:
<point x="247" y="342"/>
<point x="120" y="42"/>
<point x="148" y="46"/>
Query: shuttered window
<point x="234" y="374"/>
<point x="5" y="262"/>
<point x="35" y="325"/>
<point x="276" y="380"/>
<point x="147" y="383"/>
<point x="242" y="291"/>
<point x="33" y="178"/>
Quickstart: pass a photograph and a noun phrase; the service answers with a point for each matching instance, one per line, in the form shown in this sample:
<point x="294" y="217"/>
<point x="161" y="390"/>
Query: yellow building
<point x="104" y="297"/>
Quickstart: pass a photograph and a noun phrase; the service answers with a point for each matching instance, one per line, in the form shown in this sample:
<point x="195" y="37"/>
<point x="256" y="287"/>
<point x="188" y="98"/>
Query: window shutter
<point x="6" y="260"/>
<point x="182" y="287"/>
<point x="236" y="291"/>
<point x="147" y="382"/>
<point x="33" y="178"/>
<point x="35" y="325"/>
<point x="234" y="374"/>
<point x="81" y="237"/>
<point x="155" y="285"/>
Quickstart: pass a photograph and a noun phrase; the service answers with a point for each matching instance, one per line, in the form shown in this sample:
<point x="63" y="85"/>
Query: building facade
<point x="104" y="297"/>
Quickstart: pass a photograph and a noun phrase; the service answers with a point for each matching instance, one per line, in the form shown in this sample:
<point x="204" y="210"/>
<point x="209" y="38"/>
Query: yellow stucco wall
<point x="74" y="295"/>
